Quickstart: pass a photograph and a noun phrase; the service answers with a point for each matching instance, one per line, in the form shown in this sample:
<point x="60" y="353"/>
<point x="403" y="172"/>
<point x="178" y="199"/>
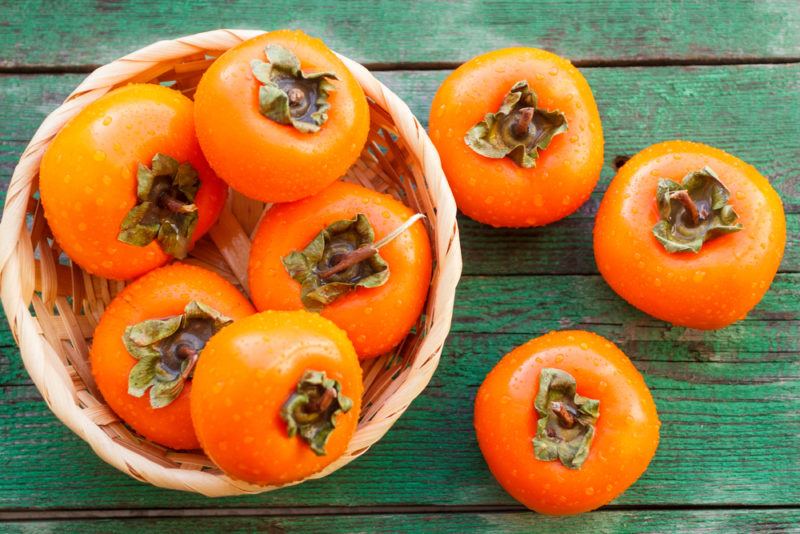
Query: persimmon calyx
<point x="694" y="211"/>
<point x="312" y="408"/>
<point x="288" y="95"/>
<point x="341" y="258"/>
<point x="566" y="420"/>
<point x="519" y="129"/>
<point x="165" y="209"/>
<point x="168" y="349"/>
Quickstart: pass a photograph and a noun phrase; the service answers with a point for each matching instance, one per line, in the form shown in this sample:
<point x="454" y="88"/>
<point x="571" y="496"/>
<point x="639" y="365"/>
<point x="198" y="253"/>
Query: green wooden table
<point x="724" y="73"/>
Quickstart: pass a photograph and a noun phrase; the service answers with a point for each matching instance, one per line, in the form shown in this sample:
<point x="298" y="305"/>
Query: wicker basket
<point x="53" y="306"/>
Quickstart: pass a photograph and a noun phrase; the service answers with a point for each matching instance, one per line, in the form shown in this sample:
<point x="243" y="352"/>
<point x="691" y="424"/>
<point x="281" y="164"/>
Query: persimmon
<point x="318" y="254"/>
<point x="519" y="136"/>
<point x="690" y="234"/>
<point x="277" y="396"/>
<point x="280" y="117"/>
<point x="150" y="338"/>
<point x="124" y="184"/>
<point x="566" y="423"/>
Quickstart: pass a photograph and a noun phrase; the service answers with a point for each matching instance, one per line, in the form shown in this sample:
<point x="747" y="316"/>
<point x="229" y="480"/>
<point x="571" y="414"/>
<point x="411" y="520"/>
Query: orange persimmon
<point x="690" y="234"/>
<point x="92" y="182"/>
<point x="519" y="136"/>
<point x="277" y="396"/>
<point x="147" y="380"/>
<point x="566" y="423"/>
<point x="280" y="117"/>
<point x="376" y="304"/>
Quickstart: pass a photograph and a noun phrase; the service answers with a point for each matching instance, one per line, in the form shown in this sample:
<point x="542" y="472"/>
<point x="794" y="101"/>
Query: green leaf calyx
<point x="693" y="211"/>
<point x="165" y="209"/>
<point x="320" y="268"/>
<point x="167" y="350"/>
<point x="311" y="409"/>
<point x="288" y="95"/>
<point x="518" y="130"/>
<point x="567" y="420"/>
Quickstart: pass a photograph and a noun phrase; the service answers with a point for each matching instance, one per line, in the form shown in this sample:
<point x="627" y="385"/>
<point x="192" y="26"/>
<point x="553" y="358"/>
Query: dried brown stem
<point x="566" y="419"/>
<point x="186" y="351"/>
<point x="348" y="260"/>
<point x="296" y="96"/>
<point x="684" y="198"/>
<point x="524" y="122"/>
<point x="176" y="206"/>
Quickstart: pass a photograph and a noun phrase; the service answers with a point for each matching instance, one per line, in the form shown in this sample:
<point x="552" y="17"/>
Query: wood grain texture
<point x="532" y="305"/>
<point x="752" y="111"/>
<point x="720" y="438"/>
<point x="728" y="401"/>
<point x="622" y="522"/>
<point x="705" y="104"/>
<point x="34" y="33"/>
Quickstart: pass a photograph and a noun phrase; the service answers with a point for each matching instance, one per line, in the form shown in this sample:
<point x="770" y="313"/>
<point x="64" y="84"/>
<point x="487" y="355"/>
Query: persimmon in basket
<point x="277" y="396"/>
<point x="149" y="340"/>
<point x="124" y="185"/>
<point x="358" y="257"/>
<point x="690" y="234"/>
<point x="566" y="422"/>
<point x="519" y="136"/>
<point x="280" y="117"/>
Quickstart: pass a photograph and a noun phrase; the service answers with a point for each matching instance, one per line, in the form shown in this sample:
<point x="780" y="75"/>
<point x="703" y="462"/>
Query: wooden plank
<point x="752" y="111"/>
<point x="607" y="521"/>
<point x="729" y="402"/>
<point x="535" y="304"/>
<point x="735" y="108"/>
<point x="564" y="247"/>
<point x="511" y="304"/>
<point x="736" y="389"/>
<point x="590" y="31"/>
<point x="704" y="103"/>
<point x="724" y="426"/>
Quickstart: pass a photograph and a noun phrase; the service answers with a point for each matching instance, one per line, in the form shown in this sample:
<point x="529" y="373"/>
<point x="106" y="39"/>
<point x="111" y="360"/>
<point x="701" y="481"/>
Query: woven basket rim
<point x="52" y="378"/>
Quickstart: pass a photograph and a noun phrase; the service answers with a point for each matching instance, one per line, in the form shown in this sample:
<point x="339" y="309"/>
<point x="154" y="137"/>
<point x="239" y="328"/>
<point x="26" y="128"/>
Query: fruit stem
<point x="186" y="351"/>
<point x="176" y="206"/>
<point x="367" y="251"/>
<point x="565" y="417"/>
<point x="684" y="198"/>
<point x="524" y="122"/>
<point x="320" y="404"/>
<point x="348" y="260"/>
<point x="296" y="96"/>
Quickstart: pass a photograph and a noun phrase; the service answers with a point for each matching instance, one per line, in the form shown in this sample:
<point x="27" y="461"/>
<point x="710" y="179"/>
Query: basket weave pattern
<point x="67" y="302"/>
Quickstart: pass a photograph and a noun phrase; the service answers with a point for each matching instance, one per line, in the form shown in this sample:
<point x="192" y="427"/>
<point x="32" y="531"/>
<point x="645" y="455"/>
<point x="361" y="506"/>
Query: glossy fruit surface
<point x="264" y="159"/>
<point x="709" y="289"/>
<point x="248" y="372"/>
<point x="161" y="293"/>
<point x="88" y="176"/>
<point x="498" y="191"/>
<point x="377" y="318"/>
<point x="626" y="431"/>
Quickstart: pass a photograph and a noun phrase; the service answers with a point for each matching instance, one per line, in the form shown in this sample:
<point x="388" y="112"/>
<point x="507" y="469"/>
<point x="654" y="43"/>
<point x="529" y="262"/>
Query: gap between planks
<point x="449" y="65"/>
<point x="124" y="513"/>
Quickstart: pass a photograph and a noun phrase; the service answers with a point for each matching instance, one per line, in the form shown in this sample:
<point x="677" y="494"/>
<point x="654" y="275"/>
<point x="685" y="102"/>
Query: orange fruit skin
<point x="261" y="158"/>
<point x="376" y="319"/>
<point x="626" y="433"/>
<point x="88" y="176"/>
<point x="497" y="191"/>
<point x="710" y="289"/>
<point x="160" y="293"/>
<point x="247" y="372"/>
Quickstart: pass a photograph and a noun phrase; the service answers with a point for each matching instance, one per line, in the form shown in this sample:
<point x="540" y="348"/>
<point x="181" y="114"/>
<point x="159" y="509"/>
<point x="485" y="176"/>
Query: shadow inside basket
<point x="68" y="302"/>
